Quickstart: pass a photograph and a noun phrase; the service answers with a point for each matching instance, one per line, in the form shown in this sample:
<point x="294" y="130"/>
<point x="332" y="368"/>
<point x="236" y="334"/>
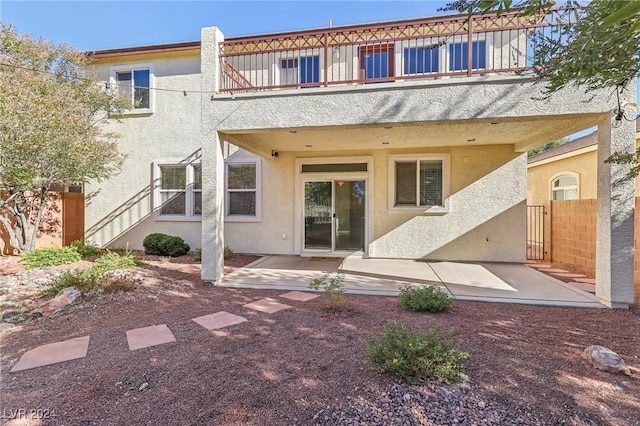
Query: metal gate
<point x="535" y="232"/>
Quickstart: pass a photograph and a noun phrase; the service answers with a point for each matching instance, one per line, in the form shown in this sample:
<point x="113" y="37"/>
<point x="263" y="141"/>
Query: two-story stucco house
<point x="400" y="139"/>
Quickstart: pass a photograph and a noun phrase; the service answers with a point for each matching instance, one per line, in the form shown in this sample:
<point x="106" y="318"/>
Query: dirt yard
<point x="304" y="365"/>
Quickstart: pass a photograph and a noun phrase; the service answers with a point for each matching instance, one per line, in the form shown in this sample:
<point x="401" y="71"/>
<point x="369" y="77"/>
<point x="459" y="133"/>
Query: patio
<point x="489" y="282"/>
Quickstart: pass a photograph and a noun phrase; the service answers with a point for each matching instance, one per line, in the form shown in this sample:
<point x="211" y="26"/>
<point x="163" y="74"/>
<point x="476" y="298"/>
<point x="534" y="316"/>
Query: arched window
<point x="564" y="187"/>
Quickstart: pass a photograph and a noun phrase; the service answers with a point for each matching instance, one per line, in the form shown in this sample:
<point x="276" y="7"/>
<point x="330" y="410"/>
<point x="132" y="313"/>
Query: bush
<point x="228" y="253"/>
<point x="197" y="255"/>
<point x="93" y="277"/>
<point x="412" y="354"/>
<point x="333" y="290"/>
<point x="165" y="245"/>
<point x="50" y="257"/>
<point x="84" y="249"/>
<point x="425" y="299"/>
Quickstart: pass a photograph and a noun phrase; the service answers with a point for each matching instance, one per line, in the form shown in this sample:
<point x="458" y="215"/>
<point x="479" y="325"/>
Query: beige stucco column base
<point x="615" y="223"/>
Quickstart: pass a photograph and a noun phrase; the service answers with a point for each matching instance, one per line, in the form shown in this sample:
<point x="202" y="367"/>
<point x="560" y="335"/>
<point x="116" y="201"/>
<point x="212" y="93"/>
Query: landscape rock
<point x="61" y="301"/>
<point x="605" y="359"/>
<point x="8" y="315"/>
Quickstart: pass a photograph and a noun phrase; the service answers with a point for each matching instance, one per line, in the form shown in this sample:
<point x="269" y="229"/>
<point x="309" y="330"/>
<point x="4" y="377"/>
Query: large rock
<point x="62" y="300"/>
<point x="605" y="359"/>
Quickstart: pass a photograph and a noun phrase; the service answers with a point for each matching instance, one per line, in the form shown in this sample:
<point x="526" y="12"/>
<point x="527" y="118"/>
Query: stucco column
<point x="616" y="203"/>
<point x="212" y="161"/>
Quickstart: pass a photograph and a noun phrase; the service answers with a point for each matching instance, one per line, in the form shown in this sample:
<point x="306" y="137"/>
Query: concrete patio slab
<point x="219" y="320"/>
<point x="589" y="288"/>
<point x="53" y="353"/>
<point x="325" y="264"/>
<point x="145" y="337"/>
<point x="299" y="296"/>
<point x="556" y="270"/>
<point x="267" y="305"/>
<point x="567" y="275"/>
<point x="495" y="282"/>
<point x="586" y="280"/>
<point x="406" y="270"/>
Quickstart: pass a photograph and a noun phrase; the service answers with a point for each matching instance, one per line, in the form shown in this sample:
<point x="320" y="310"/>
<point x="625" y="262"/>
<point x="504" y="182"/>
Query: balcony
<point x="431" y="48"/>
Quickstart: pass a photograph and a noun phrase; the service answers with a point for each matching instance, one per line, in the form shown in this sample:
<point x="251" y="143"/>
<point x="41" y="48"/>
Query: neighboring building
<point x="402" y="139"/>
<point x="564" y="180"/>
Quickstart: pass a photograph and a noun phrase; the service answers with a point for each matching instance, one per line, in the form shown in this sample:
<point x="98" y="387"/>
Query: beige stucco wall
<point x="119" y="211"/>
<point x="471" y="230"/>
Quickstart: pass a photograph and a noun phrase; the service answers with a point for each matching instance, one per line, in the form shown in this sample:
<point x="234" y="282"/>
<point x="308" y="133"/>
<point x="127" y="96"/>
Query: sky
<point x="94" y="25"/>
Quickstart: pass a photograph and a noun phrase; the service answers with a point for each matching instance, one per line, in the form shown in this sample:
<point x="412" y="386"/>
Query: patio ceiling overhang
<point x="524" y="133"/>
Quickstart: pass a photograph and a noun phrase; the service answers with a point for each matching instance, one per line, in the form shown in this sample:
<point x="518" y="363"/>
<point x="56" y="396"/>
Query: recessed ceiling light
<point x="308" y="146"/>
<point x="471" y="140"/>
<point x="495" y="122"/>
<point x="388" y="127"/>
<point x="293" y="131"/>
<point x="385" y="143"/>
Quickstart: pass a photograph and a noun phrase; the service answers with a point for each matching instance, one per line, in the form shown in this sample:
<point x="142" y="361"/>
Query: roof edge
<point x="144" y="50"/>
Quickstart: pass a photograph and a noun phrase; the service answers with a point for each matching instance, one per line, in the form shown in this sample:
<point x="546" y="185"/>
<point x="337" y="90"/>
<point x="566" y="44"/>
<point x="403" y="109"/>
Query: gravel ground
<point x="304" y="365"/>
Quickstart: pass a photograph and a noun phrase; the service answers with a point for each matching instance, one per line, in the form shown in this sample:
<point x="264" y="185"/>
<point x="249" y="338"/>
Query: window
<point x="418" y="181"/>
<point x="134" y="84"/>
<point x="303" y="70"/>
<point x="564" y="187"/>
<point x="458" y="55"/>
<point x="178" y="191"/>
<point x="243" y="191"/>
<point x="376" y="61"/>
<point x="421" y="60"/>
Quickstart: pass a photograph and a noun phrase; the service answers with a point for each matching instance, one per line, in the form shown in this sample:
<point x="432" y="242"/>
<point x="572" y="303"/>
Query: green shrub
<point x="165" y="245"/>
<point x="112" y="260"/>
<point x="197" y="255"/>
<point x="412" y="354"/>
<point x="333" y="288"/>
<point x="84" y="249"/>
<point x="424" y="299"/>
<point x="50" y="257"/>
<point x="228" y="253"/>
<point x="93" y="277"/>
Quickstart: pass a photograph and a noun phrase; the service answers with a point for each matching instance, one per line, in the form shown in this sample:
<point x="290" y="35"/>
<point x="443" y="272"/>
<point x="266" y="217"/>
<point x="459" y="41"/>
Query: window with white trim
<point x="242" y="189"/>
<point x="133" y="83"/>
<point x="564" y="187"/>
<point x="178" y="191"/>
<point x="418" y="181"/>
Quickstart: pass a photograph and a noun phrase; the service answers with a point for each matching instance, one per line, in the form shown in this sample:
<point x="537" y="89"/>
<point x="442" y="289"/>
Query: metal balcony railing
<point x="430" y="48"/>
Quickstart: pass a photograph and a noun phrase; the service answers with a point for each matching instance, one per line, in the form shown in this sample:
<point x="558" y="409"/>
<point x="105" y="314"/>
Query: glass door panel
<point x="349" y="215"/>
<point x="318" y="215"/>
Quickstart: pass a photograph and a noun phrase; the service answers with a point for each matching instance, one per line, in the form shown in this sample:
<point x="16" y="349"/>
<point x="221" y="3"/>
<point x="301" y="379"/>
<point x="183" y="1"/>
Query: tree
<point x="547" y="146"/>
<point x="51" y="111"/>
<point x="600" y="51"/>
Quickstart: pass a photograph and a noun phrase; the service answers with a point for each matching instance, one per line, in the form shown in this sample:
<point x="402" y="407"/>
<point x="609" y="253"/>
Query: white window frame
<point x="564" y="188"/>
<point x="258" y="191"/>
<point x="460" y="39"/>
<point x="190" y="215"/>
<point x="297" y="55"/>
<point x="135" y="67"/>
<point x="446" y="185"/>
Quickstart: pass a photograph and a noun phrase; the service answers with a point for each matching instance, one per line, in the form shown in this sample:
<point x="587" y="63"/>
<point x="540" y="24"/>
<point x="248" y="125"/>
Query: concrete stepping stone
<point x="591" y="288"/>
<point x="299" y="296"/>
<point x="53" y="353"/>
<point x="586" y="280"/>
<point x="267" y="305"/>
<point x="154" y="335"/>
<point x="219" y="320"/>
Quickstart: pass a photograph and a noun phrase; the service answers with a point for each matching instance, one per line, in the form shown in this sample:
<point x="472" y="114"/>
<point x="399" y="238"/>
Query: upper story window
<point x="243" y="190"/>
<point x="303" y="70"/>
<point x="459" y="52"/>
<point x="421" y="60"/>
<point x="564" y="187"/>
<point x="178" y="191"/>
<point x="419" y="181"/>
<point x="377" y="61"/>
<point x="134" y="83"/>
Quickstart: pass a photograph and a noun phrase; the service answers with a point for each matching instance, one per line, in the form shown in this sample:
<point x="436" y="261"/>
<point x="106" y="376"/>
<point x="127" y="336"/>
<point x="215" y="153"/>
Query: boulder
<point x="605" y="359"/>
<point x="58" y="303"/>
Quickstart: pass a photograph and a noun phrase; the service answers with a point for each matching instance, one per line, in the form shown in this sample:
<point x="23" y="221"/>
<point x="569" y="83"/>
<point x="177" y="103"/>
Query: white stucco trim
<point x="190" y="216"/>
<point x="301" y="178"/>
<point x="563" y="156"/>
<point x="132" y="67"/>
<point x="446" y="183"/>
<point x="563" y="173"/>
<point x="237" y="218"/>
